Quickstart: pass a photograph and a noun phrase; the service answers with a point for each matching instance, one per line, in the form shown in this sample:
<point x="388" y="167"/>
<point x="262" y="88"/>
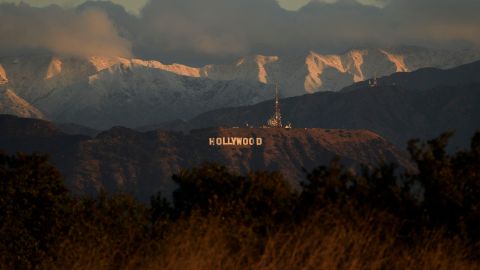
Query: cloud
<point x="209" y="27"/>
<point x="292" y="4"/>
<point x="200" y="32"/>
<point x="60" y="31"/>
<point x="297" y="4"/>
<point x="182" y="30"/>
<point x="435" y="20"/>
<point x="375" y="3"/>
<point x="133" y="7"/>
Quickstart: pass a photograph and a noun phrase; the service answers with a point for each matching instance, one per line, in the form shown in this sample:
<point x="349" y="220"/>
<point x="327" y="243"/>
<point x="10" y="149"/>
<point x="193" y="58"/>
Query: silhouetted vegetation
<point x="376" y="218"/>
<point x="33" y="208"/>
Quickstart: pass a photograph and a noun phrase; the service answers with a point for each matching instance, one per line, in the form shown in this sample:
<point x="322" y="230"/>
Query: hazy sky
<point x="204" y="31"/>
<point x="134" y="6"/>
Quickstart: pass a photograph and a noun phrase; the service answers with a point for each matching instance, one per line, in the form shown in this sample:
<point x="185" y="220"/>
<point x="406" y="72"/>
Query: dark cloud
<point x="189" y="29"/>
<point x="435" y="20"/>
<point x="60" y="31"/>
<point x="200" y="32"/>
<point x="211" y="28"/>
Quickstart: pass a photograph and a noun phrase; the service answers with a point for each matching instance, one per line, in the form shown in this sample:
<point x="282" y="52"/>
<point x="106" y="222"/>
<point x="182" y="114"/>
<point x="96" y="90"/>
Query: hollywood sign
<point x="235" y="141"/>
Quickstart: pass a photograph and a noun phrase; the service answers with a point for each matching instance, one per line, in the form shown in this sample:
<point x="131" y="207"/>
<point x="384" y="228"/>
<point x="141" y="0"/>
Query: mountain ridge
<point x="421" y="104"/>
<point x="141" y="163"/>
<point x="101" y="92"/>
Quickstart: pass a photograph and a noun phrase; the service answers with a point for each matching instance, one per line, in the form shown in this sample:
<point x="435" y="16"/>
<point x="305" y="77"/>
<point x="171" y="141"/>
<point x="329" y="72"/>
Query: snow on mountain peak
<point x="252" y="68"/>
<point x="101" y="91"/>
<point x="333" y="72"/>
<point x="398" y="60"/>
<point x="240" y="62"/>
<point x="357" y="58"/>
<point x="102" y="63"/>
<point x="261" y="62"/>
<point x="179" y="69"/>
<point x="54" y="68"/>
<point x="3" y="76"/>
<point x="316" y="64"/>
<point x="11" y="103"/>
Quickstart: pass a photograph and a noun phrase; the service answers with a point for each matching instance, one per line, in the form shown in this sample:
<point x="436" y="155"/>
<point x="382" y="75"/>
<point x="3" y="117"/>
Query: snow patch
<point x="54" y="68"/>
<point x="11" y="103"/>
<point x="178" y="69"/>
<point x="357" y="57"/>
<point x="105" y="91"/>
<point x="240" y="62"/>
<point x="261" y="61"/>
<point x="3" y="76"/>
<point x="397" y="60"/>
<point x="316" y="64"/>
<point x="102" y="63"/>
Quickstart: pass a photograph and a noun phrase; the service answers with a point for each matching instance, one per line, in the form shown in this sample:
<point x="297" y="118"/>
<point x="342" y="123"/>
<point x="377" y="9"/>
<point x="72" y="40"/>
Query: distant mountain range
<point x="420" y="104"/>
<point x="101" y="92"/>
<point x="142" y="163"/>
<point x="401" y="106"/>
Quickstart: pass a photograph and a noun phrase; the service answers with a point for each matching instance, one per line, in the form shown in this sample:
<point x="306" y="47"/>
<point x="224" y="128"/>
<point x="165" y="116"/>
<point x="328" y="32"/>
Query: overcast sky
<point x="203" y="31"/>
<point x="135" y="6"/>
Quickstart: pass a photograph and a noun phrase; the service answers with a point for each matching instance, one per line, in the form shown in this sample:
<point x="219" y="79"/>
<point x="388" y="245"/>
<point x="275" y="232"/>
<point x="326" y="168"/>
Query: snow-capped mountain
<point x="332" y="72"/>
<point x="12" y="104"/>
<point x="101" y="92"/>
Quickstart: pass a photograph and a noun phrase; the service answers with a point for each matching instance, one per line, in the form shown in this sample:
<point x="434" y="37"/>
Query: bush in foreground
<point x="377" y="218"/>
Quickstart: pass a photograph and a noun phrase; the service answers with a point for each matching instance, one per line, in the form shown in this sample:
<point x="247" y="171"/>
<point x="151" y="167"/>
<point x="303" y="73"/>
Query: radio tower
<point x="276" y="120"/>
<point x="278" y="113"/>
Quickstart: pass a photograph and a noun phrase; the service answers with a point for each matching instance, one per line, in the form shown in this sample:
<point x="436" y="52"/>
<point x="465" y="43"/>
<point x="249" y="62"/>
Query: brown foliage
<point x="341" y="219"/>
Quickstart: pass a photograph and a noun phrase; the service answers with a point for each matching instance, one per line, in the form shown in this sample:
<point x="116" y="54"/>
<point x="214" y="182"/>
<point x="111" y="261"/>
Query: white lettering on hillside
<point x="235" y="141"/>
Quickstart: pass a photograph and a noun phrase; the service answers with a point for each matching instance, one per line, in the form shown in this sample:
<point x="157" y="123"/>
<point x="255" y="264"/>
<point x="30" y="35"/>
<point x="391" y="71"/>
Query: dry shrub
<point x="326" y="241"/>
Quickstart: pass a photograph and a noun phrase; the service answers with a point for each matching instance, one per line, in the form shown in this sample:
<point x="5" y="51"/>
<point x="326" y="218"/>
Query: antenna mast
<point x="278" y="113"/>
<point x="276" y="120"/>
